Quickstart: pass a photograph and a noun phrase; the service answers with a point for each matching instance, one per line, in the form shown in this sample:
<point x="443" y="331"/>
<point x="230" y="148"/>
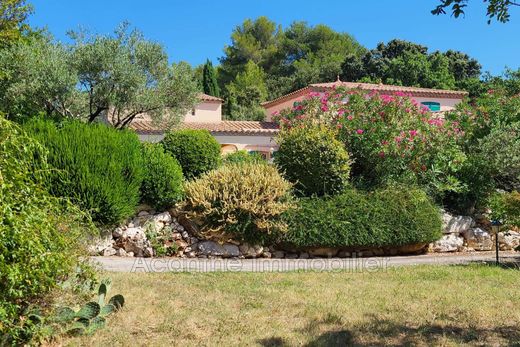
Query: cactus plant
<point x="92" y="316"/>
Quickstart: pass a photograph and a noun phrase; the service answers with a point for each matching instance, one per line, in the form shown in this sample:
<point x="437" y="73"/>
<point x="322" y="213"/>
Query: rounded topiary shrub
<point x="196" y="150"/>
<point x="98" y="167"/>
<point x="162" y="183"/>
<point x="241" y="201"/>
<point x="313" y="159"/>
<point x="394" y="216"/>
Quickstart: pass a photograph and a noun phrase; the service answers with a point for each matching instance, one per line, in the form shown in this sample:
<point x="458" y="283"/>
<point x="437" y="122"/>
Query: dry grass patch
<point x="427" y="305"/>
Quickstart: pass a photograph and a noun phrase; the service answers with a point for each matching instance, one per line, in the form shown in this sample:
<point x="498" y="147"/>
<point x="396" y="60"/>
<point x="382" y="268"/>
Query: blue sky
<point x="195" y="30"/>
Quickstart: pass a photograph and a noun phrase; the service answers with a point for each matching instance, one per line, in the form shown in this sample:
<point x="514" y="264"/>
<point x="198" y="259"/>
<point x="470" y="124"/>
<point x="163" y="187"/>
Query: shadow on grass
<point x="380" y="332"/>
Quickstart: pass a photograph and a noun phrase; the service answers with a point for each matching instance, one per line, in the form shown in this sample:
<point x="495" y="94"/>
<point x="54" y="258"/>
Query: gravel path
<point x="118" y="264"/>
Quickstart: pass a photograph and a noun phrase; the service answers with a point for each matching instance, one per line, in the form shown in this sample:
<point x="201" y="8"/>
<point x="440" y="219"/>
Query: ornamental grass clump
<point x="241" y="201"/>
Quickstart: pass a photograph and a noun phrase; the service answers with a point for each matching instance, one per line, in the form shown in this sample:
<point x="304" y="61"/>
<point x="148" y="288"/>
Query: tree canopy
<point x="496" y="9"/>
<point x="13" y="16"/>
<point x="119" y="76"/>
<point x="209" y="80"/>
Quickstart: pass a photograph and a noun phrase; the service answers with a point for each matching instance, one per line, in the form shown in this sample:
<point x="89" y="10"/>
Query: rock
<point x="134" y="233"/>
<point x="258" y="250"/>
<point x="189" y="225"/>
<point x="193" y="240"/>
<point x="211" y="248"/>
<point x="176" y="236"/>
<point x="278" y="254"/>
<point x="508" y="241"/>
<point x="291" y="256"/>
<point x="181" y="244"/>
<point x="267" y="254"/>
<point x="231" y="250"/>
<point x="107" y="252"/>
<point x="148" y="252"/>
<point x="117" y="233"/>
<point x="143" y="214"/>
<point x="130" y="254"/>
<point x="344" y="254"/>
<point x="164" y="217"/>
<point x="185" y="235"/>
<point x="121" y="253"/>
<point x="478" y="239"/>
<point x="304" y="255"/>
<point x="448" y="243"/>
<point x="456" y="224"/>
<point x="250" y="251"/>
<point x="244" y="248"/>
<point x="99" y="245"/>
<point x="323" y="252"/>
<point x="191" y="254"/>
<point x="134" y="240"/>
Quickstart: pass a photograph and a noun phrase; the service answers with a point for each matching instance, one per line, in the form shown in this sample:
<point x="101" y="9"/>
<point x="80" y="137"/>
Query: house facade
<point x="436" y="100"/>
<point x="232" y="135"/>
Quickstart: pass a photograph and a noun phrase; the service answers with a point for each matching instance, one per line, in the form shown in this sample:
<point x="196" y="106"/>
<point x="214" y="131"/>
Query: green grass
<point x="427" y="305"/>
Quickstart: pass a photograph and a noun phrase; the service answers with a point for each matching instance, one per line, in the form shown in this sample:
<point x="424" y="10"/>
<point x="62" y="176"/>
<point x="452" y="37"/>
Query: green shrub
<point x="243" y="201"/>
<point x="39" y="235"/>
<point x="314" y="160"/>
<point x="506" y="208"/>
<point x="392" y="216"/>
<point x="196" y="150"/>
<point x="501" y="150"/>
<point x="242" y="157"/>
<point x="390" y="138"/>
<point x="99" y="168"/>
<point x="162" y="183"/>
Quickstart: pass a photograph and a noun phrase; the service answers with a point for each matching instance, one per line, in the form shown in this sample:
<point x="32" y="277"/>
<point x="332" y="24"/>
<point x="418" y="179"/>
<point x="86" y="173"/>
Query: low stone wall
<point x="465" y="234"/>
<point x="151" y="234"/>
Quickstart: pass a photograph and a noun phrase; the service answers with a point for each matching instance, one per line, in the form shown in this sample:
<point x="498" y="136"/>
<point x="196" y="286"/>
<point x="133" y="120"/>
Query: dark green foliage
<point x="196" y="150"/>
<point x="314" y="160"/>
<point x="506" y="208"/>
<point x="209" y="80"/>
<point x="162" y="183"/>
<point x="40" y="236"/>
<point x="242" y="157"/>
<point x="501" y="150"/>
<point x="99" y="168"/>
<point x="393" y="216"/>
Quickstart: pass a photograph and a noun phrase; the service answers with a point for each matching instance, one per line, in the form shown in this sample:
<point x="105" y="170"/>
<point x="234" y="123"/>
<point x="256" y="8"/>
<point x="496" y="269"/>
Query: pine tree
<point x="209" y="80"/>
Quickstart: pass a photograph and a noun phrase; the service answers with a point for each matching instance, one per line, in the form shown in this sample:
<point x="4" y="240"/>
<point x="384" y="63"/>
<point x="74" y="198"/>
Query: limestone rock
<point x="231" y="250"/>
<point x="107" y="252"/>
<point x="448" y="243"/>
<point x="478" y="239"/>
<point x="456" y="224"/>
<point x="508" y="241"/>
<point x="212" y="248"/>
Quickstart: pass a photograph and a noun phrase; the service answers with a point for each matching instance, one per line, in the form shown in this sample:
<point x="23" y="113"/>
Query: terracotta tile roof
<point x="206" y="97"/>
<point x="383" y="88"/>
<point x="221" y="128"/>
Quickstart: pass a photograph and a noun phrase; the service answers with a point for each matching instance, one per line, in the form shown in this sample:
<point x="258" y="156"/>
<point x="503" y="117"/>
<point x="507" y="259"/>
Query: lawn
<point x="427" y="305"/>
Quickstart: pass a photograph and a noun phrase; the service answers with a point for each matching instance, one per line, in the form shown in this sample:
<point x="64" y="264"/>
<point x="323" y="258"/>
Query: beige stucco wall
<point x="205" y="112"/>
<point x="240" y="142"/>
<point x="446" y="104"/>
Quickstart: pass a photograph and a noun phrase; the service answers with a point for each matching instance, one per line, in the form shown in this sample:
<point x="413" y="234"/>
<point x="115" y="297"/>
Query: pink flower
<point x="324" y="108"/>
<point x="413" y="133"/>
<point x="341" y="111"/>
<point x="350" y="117"/>
<point x="382" y="154"/>
<point x="360" y="131"/>
<point x="339" y="126"/>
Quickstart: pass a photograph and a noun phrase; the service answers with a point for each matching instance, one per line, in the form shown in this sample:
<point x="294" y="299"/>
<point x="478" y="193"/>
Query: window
<point x="192" y="111"/>
<point x="432" y="105"/>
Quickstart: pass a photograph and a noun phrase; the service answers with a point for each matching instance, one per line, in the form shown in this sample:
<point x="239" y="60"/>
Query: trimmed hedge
<point x="98" y="167"/>
<point x="162" y="183"/>
<point x="393" y="216"/>
<point x="312" y="159"/>
<point x="196" y="150"/>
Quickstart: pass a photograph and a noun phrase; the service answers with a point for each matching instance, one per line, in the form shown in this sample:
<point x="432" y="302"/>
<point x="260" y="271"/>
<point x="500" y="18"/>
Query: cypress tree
<point x="209" y="80"/>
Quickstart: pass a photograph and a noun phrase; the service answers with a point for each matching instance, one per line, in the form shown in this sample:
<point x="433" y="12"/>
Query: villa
<point x="254" y="136"/>
<point x="436" y="100"/>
